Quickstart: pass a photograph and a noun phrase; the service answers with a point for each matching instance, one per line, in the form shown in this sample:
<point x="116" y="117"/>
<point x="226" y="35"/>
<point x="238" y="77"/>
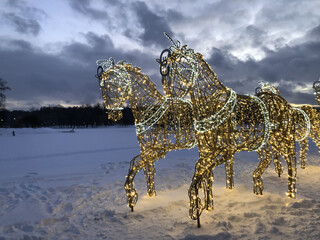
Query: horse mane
<point x="135" y="69"/>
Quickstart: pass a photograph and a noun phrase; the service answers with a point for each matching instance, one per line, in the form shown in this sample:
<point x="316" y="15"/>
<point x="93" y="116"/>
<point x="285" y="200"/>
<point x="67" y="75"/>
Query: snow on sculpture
<point x="162" y="124"/>
<point x="226" y="122"/>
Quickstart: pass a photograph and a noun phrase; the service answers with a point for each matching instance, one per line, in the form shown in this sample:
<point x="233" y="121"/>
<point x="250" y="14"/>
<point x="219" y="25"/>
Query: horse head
<point x="115" y="85"/>
<point x="316" y="87"/>
<point x="266" y="87"/>
<point x="179" y="69"/>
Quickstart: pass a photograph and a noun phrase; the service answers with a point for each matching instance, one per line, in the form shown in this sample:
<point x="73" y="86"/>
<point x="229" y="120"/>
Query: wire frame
<point x="229" y="122"/>
<point x="162" y="124"/>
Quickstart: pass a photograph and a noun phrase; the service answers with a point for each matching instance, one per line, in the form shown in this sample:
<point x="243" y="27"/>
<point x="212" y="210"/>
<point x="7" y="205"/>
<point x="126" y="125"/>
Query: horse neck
<point x="143" y="92"/>
<point x="208" y="94"/>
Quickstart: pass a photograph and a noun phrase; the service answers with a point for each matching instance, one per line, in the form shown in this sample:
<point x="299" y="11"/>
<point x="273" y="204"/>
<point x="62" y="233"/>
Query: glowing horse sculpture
<point x="162" y="124"/>
<point x="307" y="126"/>
<point x="314" y="116"/>
<point x="314" y="133"/>
<point x="302" y="128"/>
<point x="226" y="122"/>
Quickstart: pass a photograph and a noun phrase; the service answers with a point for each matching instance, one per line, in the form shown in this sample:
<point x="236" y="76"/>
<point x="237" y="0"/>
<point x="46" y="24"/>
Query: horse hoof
<point x="152" y="193"/>
<point x="291" y="195"/>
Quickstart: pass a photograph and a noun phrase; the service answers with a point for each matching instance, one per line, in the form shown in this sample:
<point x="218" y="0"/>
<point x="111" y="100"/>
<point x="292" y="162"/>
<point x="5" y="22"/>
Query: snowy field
<point x="58" y="185"/>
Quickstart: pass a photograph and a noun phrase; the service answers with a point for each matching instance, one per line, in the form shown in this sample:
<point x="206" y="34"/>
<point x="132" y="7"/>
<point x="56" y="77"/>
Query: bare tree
<point x="3" y="88"/>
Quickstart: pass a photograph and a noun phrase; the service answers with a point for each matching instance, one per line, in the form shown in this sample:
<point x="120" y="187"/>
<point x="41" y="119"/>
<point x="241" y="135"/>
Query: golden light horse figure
<point x="314" y="132"/>
<point x="307" y="126"/>
<point x="302" y="128"/>
<point x="314" y="116"/>
<point x="162" y="124"/>
<point x="227" y="123"/>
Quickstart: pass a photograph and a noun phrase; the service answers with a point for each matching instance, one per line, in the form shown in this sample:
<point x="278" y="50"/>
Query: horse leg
<point x="207" y="189"/>
<point x="208" y="182"/>
<point x="315" y="138"/>
<point x="277" y="163"/>
<point x="304" y="145"/>
<point x="203" y="169"/>
<point x="292" y="173"/>
<point x="136" y="165"/>
<point x="318" y="145"/>
<point x="265" y="160"/>
<point x="149" y="172"/>
<point x="229" y="172"/>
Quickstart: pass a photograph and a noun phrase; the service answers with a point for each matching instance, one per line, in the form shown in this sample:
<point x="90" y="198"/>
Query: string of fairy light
<point x="306" y="122"/>
<point x="218" y="118"/>
<point x="267" y="125"/>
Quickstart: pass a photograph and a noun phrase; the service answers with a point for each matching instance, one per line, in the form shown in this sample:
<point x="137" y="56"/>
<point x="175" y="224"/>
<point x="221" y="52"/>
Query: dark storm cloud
<point x="98" y="46"/>
<point x="23" y="25"/>
<point x="24" y="19"/>
<point x="227" y="12"/>
<point x="112" y="15"/>
<point x="174" y="16"/>
<point x="84" y="7"/>
<point x="38" y="78"/>
<point x="20" y="44"/>
<point x="23" y="8"/>
<point x="31" y="73"/>
<point x="123" y="18"/>
<point x="291" y="66"/>
<point x="153" y="25"/>
<point x="255" y="34"/>
<point x="102" y="47"/>
<point x="35" y="76"/>
<point x="314" y="34"/>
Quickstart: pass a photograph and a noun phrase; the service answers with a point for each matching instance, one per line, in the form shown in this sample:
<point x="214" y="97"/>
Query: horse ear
<point x="111" y="59"/>
<point x="169" y="38"/>
<point x="158" y="60"/>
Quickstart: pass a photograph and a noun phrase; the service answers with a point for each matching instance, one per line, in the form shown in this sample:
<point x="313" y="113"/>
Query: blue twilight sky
<point x="48" y="48"/>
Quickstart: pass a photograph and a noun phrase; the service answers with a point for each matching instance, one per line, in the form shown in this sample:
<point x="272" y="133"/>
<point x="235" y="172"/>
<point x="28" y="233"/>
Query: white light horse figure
<point x="162" y="124"/>
<point x="226" y="122"/>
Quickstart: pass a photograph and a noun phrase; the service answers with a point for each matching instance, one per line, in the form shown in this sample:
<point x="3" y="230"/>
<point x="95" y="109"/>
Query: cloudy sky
<point x="48" y="48"/>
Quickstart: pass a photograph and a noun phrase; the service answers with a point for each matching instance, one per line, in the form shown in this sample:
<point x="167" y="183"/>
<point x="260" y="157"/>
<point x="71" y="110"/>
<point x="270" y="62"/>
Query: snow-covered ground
<point x="58" y="185"/>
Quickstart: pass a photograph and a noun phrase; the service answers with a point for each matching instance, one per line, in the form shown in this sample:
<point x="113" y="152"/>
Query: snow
<point x="62" y="185"/>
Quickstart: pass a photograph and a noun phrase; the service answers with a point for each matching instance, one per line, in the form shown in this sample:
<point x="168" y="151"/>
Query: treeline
<point x="58" y="116"/>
